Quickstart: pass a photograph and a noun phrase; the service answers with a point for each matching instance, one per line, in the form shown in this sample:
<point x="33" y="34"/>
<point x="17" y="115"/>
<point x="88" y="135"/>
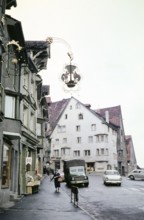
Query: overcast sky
<point x="106" y="38"/>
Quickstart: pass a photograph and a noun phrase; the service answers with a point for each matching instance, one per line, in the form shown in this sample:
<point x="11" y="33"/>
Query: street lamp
<point x="70" y="76"/>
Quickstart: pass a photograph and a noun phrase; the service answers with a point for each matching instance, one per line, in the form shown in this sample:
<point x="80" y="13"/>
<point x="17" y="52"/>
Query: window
<point x="102" y="138"/>
<point x="70" y="107"/>
<point x="78" y="128"/>
<point x="10" y="106"/>
<point x="65" y="151"/>
<point x="56" y="153"/>
<point x="25" y="115"/>
<point x="66" y="116"/>
<point x="39" y="129"/>
<point x="90" y="139"/>
<point x="78" y="105"/>
<point x="26" y="81"/>
<point x="102" y="151"/>
<point x="6" y="166"/>
<point x="107" y="151"/>
<point x="56" y="141"/>
<point x="1" y="99"/>
<point x="80" y="116"/>
<point x="78" y="140"/>
<point x="93" y="127"/>
<point x="32" y="121"/>
<point x="114" y="132"/>
<point x="32" y="86"/>
<point x="106" y="138"/>
<point x="87" y="152"/>
<point x="61" y="128"/>
<point x="97" y="138"/>
<point x="76" y="153"/>
<point x="97" y="152"/>
<point x="64" y="140"/>
<point x="120" y="153"/>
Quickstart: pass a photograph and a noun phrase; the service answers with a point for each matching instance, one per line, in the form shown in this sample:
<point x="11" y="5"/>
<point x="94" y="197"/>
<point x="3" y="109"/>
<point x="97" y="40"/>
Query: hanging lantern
<point x="70" y="77"/>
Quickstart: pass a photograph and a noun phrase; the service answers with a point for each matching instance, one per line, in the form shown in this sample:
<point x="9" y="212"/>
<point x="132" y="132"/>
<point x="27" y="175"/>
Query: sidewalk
<point x="45" y="205"/>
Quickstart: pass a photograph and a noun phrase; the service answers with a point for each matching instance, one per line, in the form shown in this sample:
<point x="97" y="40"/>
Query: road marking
<point x="141" y="208"/>
<point x="135" y="189"/>
<point x="140" y="190"/>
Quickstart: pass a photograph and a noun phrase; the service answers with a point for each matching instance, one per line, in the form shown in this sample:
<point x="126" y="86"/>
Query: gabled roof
<point x="55" y="110"/>
<point x="16" y="33"/>
<point x="130" y="148"/>
<point x="114" y="114"/>
<point x="45" y="90"/>
<point x="40" y="52"/>
<point x="10" y="3"/>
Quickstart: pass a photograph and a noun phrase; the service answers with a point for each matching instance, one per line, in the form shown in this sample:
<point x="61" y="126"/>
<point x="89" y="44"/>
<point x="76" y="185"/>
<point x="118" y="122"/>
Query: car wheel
<point x="119" y="184"/>
<point x="132" y="177"/>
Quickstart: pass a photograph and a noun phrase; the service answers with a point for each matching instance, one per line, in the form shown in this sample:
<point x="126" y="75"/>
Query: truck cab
<point x="75" y="173"/>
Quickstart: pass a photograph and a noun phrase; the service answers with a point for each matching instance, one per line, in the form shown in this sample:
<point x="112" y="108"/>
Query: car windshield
<point x="111" y="172"/>
<point x="78" y="170"/>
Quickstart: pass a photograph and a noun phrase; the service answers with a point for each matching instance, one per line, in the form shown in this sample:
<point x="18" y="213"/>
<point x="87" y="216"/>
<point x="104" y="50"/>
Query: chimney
<point x="88" y="106"/>
<point x="107" y="116"/>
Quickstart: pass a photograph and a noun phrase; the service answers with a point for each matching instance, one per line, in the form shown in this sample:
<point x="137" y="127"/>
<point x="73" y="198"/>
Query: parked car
<point x="112" y="177"/>
<point x="136" y="174"/>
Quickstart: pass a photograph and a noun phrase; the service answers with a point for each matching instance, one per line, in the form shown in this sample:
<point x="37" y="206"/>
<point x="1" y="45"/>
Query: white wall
<point x="85" y="131"/>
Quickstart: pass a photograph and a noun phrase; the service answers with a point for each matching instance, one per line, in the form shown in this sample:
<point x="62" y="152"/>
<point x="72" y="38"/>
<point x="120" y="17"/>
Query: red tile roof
<point x="55" y="111"/>
<point x="114" y="114"/>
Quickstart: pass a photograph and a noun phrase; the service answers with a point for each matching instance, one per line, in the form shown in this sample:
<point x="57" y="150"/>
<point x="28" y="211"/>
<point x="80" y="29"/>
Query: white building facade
<point x="80" y="133"/>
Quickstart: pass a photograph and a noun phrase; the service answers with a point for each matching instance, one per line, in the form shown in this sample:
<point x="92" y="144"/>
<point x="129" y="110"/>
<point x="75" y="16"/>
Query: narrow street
<point x="97" y="202"/>
<point x="112" y="202"/>
<point x="44" y="205"/>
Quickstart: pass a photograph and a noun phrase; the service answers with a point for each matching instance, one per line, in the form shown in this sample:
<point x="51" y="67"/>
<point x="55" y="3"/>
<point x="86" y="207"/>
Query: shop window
<point x="5" y="166"/>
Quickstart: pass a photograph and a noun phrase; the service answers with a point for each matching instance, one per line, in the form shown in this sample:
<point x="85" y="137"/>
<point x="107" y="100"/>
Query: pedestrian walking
<point x="47" y="168"/>
<point x="56" y="177"/>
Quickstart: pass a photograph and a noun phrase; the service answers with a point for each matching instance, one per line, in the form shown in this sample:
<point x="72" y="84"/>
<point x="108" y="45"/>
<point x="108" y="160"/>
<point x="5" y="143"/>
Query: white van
<point x="136" y="174"/>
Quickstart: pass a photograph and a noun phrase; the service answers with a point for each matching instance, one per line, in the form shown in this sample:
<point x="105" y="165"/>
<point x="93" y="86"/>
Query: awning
<point x="11" y="135"/>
